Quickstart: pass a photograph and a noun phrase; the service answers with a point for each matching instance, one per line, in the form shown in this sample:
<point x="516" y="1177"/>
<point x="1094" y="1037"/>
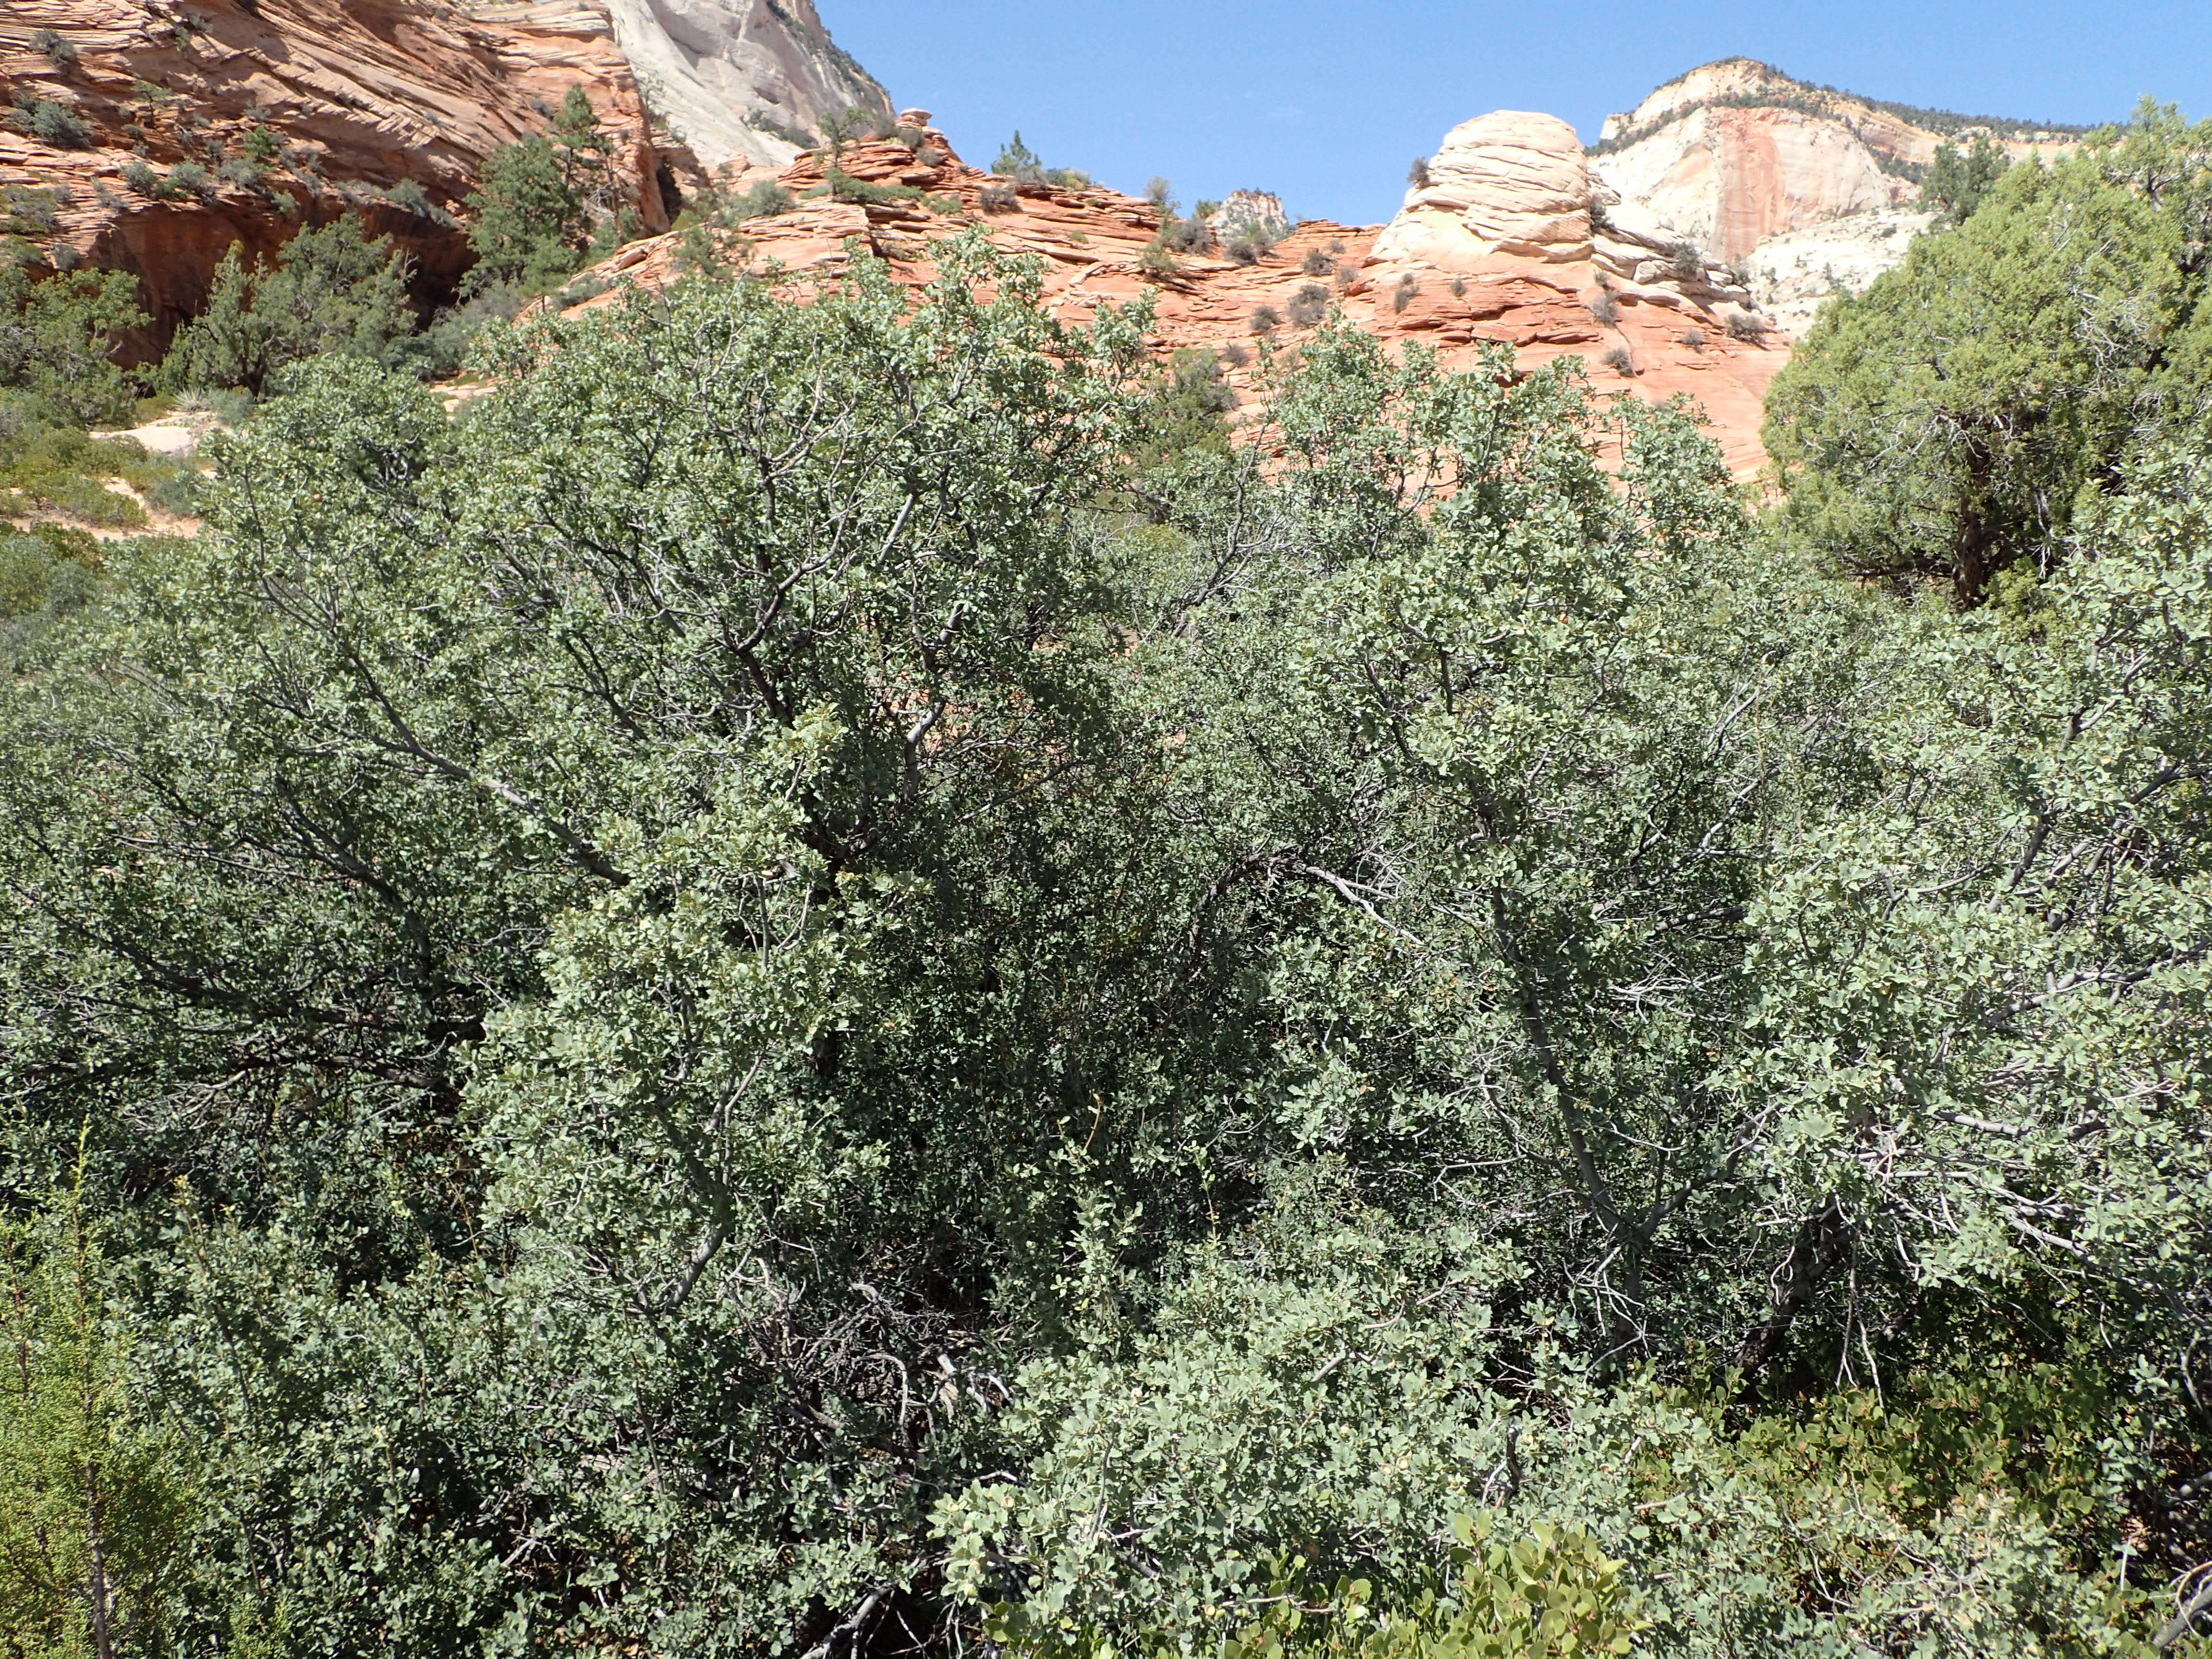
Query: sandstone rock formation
<point x="1736" y="154"/>
<point x="1729" y="180"/>
<point x="1793" y="273"/>
<point x="1505" y="254"/>
<point x="1507" y="182"/>
<point x="1243" y="210"/>
<point x="742" y="81"/>
<point x="362" y="96"/>
<point x="299" y="110"/>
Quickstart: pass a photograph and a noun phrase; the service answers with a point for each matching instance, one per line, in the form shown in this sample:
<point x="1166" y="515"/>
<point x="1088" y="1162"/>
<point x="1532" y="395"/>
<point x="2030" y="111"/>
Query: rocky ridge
<point x="1676" y="256"/>
<point x="1501" y="248"/>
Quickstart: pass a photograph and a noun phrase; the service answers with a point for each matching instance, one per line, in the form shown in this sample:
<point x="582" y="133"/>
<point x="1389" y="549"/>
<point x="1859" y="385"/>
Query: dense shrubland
<point x="832" y="982"/>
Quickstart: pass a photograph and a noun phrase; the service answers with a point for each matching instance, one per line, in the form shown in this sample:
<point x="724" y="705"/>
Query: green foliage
<point x="29" y="211"/>
<point x="830" y="980"/>
<point x="1959" y="184"/>
<point x="843" y="186"/>
<point x="55" y="125"/>
<point x="1959" y="415"/>
<point x="61" y="469"/>
<point x="1552" y="1592"/>
<point x="1184" y="415"/>
<point x="47" y="572"/>
<point x="56" y="341"/>
<point x="1191" y="235"/>
<point x="540" y="202"/>
<point x="767" y="199"/>
<point x="50" y="466"/>
<point x="705" y="1457"/>
<point x="444" y="348"/>
<point x="409" y="195"/>
<point x="329" y="291"/>
<point x="1318" y="1380"/>
<point x="94" y="1501"/>
<point x="527" y="216"/>
<point x="841" y="127"/>
<point x="1017" y="160"/>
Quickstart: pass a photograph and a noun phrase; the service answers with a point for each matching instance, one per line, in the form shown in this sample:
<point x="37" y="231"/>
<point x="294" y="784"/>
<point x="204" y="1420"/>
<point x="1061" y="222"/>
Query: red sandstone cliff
<point x="360" y="96"/>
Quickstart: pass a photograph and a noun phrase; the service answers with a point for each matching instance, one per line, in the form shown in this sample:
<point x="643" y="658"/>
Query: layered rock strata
<point x="287" y="112"/>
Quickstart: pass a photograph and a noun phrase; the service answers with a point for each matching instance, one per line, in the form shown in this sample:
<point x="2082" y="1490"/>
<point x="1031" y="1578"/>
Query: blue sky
<point x="1327" y="104"/>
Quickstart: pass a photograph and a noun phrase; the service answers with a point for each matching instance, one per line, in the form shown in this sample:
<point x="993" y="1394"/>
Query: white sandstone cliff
<point x="742" y="81"/>
<point x="1805" y="190"/>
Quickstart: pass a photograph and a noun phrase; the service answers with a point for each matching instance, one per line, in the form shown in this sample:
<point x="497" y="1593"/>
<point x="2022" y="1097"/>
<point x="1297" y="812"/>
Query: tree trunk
<point x="103" y="1638"/>
<point x="1971" y="568"/>
<point x="1822" y="1242"/>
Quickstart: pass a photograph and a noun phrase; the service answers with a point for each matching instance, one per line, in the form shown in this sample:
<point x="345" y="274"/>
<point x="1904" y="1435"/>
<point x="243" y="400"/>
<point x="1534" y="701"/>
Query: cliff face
<point x="1736" y="154"/>
<point x="748" y="82"/>
<point x="347" y="99"/>
<point x="1794" y="273"/>
<point x="1727" y="179"/>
